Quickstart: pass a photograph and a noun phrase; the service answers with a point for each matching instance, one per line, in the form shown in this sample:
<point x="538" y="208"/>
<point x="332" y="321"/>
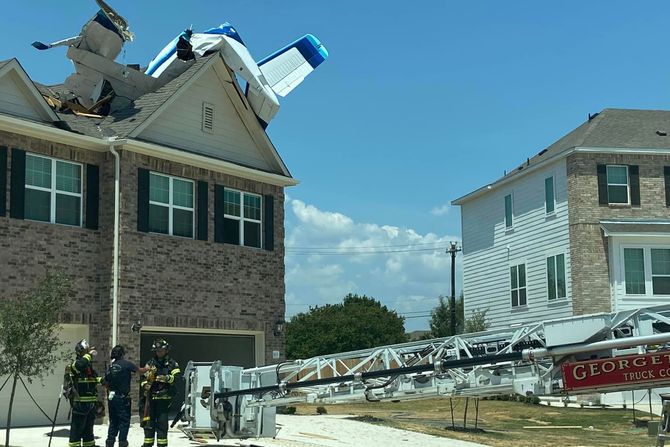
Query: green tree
<point x="29" y="342"/>
<point x="477" y="322"/>
<point x="359" y="322"/>
<point x="440" y="317"/>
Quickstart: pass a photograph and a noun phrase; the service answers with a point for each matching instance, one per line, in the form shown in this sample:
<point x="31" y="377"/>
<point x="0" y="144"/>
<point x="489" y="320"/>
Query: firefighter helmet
<point x="82" y="347"/>
<point x="160" y="343"/>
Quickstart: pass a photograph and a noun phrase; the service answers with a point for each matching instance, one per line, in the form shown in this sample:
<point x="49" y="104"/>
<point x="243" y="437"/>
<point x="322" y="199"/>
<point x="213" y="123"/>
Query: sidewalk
<point x="294" y="431"/>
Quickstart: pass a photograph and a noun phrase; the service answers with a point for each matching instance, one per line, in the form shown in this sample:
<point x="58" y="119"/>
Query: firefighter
<point x="84" y="396"/>
<point x="159" y="388"/>
<point x="117" y="380"/>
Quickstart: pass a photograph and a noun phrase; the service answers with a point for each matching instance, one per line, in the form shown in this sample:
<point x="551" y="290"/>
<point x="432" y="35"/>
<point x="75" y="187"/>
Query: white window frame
<point x="553" y="185"/>
<point x="648" y="275"/>
<point x="241" y="219"/>
<point x="171" y="206"/>
<point x="53" y="189"/>
<point x="511" y="226"/>
<point x="555" y="285"/>
<point x="618" y="184"/>
<point x="525" y="287"/>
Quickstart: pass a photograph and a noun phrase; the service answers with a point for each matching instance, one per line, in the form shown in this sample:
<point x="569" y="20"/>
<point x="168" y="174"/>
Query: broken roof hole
<point x="661" y="133"/>
<point x="593" y="116"/>
<point x="542" y="152"/>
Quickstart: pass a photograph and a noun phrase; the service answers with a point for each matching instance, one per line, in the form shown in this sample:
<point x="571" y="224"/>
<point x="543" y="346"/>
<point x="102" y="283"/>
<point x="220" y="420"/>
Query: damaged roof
<point x="611" y="128"/>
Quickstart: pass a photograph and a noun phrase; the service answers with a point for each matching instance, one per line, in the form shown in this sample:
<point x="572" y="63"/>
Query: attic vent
<point x="207" y="117"/>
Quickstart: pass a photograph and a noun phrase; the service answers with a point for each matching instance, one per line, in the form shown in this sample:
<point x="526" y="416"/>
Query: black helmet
<point x="82" y="347"/>
<point x="160" y="343"/>
<point x="118" y="351"/>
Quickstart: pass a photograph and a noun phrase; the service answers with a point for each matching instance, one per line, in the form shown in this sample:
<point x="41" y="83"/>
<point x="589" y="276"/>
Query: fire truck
<point x="601" y="352"/>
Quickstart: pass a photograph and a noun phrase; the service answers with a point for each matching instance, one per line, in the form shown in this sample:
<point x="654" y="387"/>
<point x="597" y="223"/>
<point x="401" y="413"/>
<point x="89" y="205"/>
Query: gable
<point x="180" y="124"/>
<point x="19" y="97"/>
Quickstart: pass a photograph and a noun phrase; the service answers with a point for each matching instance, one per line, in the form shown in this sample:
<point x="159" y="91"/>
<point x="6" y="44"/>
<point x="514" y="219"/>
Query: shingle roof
<point x="5" y="62"/>
<point x="611" y="128"/>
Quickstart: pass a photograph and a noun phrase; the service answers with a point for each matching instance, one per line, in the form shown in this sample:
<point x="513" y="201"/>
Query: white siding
<point x="180" y="125"/>
<point x="15" y="99"/>
<point x="489" y="249"/>
<point x="621" y="301"/>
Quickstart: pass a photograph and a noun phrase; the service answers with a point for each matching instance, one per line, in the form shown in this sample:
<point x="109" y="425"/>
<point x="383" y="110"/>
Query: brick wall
<point x="168" y="281"/>
<point x="588" y="246"/>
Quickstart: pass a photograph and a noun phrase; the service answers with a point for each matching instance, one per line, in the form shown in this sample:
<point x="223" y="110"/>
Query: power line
<point x="352" y="253"/>
<point x="290" y="247"/>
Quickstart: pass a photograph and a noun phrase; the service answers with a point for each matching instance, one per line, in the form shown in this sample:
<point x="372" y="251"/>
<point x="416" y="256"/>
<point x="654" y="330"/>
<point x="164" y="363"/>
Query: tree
<point x="29" y="343"/>
<point x="359" y="322"/>
<point x="440" y="317"/>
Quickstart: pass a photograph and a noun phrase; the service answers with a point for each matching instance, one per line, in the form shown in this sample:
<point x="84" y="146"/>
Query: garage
<point x="46" y="392"/>
<point x="242" y="348"/>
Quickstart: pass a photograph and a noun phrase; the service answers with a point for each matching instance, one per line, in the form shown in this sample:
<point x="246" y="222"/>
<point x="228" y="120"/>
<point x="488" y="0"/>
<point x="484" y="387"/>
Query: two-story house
<point x="583" y="226"/>
<point x="166" y="211"/>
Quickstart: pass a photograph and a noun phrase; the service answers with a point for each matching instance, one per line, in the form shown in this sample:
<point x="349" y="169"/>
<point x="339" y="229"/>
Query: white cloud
<point x="441" y="210"/>
<point x="329" y="255"/>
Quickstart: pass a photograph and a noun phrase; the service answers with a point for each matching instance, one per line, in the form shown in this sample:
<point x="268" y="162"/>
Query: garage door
<point x="46" y="392"/>
<point x="232" y="350"/>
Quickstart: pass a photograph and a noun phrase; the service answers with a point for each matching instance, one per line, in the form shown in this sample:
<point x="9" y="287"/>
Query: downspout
<point x="115" y="257"/>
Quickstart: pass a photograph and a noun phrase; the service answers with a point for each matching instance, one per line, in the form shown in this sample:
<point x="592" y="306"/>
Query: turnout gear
<point x="83" y="396"/>
<point x="159" y="388"/>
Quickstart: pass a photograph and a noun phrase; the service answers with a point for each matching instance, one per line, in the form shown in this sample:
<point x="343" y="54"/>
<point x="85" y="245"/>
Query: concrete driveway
<point x="294" y="431"/>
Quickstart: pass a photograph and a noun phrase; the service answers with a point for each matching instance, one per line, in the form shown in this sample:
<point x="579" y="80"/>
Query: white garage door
<point x="46" y="392"/>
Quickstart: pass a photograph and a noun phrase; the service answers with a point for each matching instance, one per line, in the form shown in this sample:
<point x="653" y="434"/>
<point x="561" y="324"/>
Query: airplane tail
<point x="286" y="68"/>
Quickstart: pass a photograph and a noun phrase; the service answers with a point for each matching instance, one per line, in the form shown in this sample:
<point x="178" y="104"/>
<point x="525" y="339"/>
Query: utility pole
<point x="453" y="249"/>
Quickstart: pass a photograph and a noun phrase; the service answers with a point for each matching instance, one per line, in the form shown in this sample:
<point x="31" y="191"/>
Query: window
<point x="556" y="277"/>
<point x="53" y="190"/>
<point x="242" y="218"/>
<point x="617" y="184"/>
<point x="207" y="117"/>
<point x="660" y="271"/>
<point x="549" y="200"/>
<point x="633" y="259"/>
<point x="508" y="211"/>
<point x="171" y="209"/>
<point x="518" y="284"/>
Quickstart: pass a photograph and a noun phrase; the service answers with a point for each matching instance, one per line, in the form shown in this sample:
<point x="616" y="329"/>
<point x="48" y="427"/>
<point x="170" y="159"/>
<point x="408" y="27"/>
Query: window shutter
<point x="666" y="172"/>
<point x="142" y="200"/>
<point x="219" y="201"/>
<point x="17" y="190"/>
<point x="202" y="211"/>
<point x="92" y="196"/>
<point x="634" y="179"/>
<point x="3" y="180"/>
<point x="268" y="222"/>
<point x="602" y="185"/>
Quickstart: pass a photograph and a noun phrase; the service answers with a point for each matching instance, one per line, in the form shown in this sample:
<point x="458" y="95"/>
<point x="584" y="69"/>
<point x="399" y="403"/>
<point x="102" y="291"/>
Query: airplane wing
<point x="288" y="67"/>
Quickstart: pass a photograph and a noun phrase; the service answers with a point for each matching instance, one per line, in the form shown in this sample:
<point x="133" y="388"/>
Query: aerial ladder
<point x="601" y="352"/>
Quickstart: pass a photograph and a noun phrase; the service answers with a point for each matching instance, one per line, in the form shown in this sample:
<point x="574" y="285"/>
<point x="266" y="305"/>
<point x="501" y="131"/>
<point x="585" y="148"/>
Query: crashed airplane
<point x="99" y="84"/>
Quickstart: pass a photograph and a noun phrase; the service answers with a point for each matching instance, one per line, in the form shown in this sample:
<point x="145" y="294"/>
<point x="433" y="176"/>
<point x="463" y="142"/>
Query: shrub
<point x="286" y="410"/>
<point x="321" y="410"/>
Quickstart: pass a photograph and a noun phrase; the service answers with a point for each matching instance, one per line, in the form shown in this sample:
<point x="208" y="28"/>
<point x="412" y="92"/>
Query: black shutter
<point x="634" y="178"/>
<point x="219" y="201"/>
<point x="142" y="199"/>
<point x="17" y="190"/>
<point x="602" y="185"/>
<point x="3" y="180"/>
<point x="202" y="211"/>
<point x="666" y="172"/>
<point x="92" y="196"/>
<point x="268" y="223"/>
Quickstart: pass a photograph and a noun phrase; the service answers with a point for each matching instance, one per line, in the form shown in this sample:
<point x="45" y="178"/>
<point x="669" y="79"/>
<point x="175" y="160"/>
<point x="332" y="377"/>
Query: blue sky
<point x="418" y="104"/>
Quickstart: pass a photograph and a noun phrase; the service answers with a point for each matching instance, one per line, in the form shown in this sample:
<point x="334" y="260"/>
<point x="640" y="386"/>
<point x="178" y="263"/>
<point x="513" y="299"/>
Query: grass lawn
<point x="503" y="422"/>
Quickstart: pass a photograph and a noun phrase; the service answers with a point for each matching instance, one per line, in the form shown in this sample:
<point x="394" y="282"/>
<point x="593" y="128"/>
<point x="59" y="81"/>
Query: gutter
<point x="115" y="257"/>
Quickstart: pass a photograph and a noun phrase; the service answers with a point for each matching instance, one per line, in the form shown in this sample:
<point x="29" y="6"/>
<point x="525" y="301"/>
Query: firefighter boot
<point x="110" y="443"/>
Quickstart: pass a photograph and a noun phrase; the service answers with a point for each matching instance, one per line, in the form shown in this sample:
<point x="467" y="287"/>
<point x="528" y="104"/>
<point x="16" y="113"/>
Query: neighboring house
<point x="201" y="219"/>
<point x="581" y="227"/>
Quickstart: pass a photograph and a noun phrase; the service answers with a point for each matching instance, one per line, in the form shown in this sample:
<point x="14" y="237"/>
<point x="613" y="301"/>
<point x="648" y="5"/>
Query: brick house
<point x="200" y="220"/>
<point x="581" y="227"/>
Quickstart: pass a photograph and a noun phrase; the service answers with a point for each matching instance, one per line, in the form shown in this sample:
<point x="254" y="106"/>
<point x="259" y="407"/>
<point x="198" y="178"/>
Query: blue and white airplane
<point x="101" y="39"/>
<point x="277" y="74"/>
